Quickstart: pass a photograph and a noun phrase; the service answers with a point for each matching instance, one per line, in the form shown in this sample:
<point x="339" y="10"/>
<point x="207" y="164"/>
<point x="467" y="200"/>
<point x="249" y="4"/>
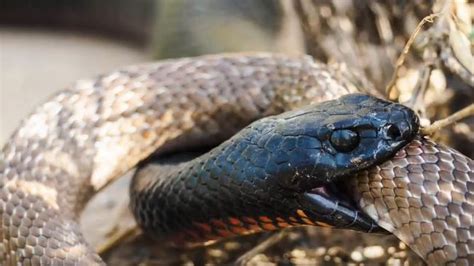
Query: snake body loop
<point x="87" y="135"/>
<point x="425" y="196"/>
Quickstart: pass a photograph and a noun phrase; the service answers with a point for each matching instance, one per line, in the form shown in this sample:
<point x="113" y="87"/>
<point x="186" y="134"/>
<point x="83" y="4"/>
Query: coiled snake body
<point x="84" y="137"/>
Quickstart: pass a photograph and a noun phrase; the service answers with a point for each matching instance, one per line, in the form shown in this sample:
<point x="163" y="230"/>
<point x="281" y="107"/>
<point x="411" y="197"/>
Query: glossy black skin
<point x="271" y="167"/>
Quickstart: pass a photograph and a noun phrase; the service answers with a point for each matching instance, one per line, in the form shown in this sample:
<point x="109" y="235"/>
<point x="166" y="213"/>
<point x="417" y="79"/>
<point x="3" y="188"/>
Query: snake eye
<point x="344" y="140"/>
<point x="393" y="132"/>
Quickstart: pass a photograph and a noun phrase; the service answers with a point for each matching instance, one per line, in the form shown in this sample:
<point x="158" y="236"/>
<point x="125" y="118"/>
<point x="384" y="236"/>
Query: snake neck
<point x="225" y="192"/>
<point x="204" y="199"/>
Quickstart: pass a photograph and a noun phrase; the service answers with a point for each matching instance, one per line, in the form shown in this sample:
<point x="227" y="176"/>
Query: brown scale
<point x="424" y="196"/>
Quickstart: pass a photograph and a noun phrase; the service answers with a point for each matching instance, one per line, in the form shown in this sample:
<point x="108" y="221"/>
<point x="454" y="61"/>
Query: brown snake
<point x="86" y="136"/>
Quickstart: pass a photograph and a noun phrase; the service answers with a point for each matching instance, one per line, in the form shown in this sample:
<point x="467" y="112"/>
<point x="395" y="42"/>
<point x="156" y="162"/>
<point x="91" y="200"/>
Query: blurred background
<point x="46" y="45"/>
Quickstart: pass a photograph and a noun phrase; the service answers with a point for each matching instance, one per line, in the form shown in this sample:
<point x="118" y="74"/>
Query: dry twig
<point x="116" y="238"/>
<point x="406" y="49"/>
<point x="463" y="113"/>
<point x="270" y="241"/>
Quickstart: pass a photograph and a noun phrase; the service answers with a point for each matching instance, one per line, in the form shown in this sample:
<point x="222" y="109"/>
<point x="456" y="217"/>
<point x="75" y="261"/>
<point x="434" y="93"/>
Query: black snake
<point x="87" y="135"/>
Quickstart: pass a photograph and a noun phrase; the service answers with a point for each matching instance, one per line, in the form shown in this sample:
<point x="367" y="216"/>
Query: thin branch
<point x="270" y="241"/>
<point x="463" y="113"/>
<point x="406" y="49"/>
<point x="117" y="238"/>
<point x="417" y="100"/>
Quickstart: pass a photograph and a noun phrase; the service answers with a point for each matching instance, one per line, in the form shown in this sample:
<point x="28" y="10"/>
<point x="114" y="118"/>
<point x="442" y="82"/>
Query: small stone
<point x="373" y="252"/>
<point x="400" y="255"/>
<point x="216" y="253"/>
<point x="357" y="256"/>
<point x="298" y="253"/>
<point x="232" y="246"/>
<point x="259" y="259"/>
<point x="391" y="250"/>
<point x="394" y="262"/>
<point x="334" y="251"/>
<point x="320" y="251"/>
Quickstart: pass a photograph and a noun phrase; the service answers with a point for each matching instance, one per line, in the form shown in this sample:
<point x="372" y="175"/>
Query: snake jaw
<point x="331" y="205"/>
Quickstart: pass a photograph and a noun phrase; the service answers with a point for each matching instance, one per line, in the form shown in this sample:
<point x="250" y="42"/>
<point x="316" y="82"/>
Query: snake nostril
<point x="393" y="132"/>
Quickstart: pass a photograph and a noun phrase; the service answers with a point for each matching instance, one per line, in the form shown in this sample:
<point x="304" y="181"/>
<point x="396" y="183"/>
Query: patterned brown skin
<point x="84" y="137"/>
<point x="425" y="196"/>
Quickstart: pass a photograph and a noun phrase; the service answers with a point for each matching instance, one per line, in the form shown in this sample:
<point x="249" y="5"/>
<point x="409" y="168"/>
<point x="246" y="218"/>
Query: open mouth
<point x="333" y="205"/>
<point x="336" y="192"/>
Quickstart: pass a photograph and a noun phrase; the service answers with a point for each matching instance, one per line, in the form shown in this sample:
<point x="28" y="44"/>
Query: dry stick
<point x="262" y="246"/>
<point x="117" y="238"/>
<point x="463" y="113"/>
<point x="420" y="90"/>
<point x="406" y="49"/>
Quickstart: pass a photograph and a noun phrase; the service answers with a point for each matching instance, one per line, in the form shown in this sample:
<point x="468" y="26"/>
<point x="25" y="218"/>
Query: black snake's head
<point x="319" y="145"/>
<point x="324" y="142"/>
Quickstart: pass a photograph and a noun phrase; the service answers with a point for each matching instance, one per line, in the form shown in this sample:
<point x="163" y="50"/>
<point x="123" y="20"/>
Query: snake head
<point x="321" y="143"/>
